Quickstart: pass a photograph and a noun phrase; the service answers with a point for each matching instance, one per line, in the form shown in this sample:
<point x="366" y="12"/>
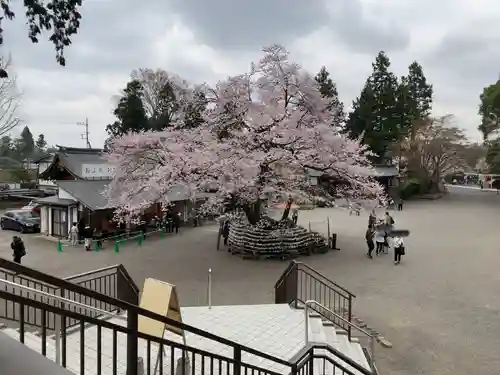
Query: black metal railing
<point x="300" y="283"/>
<point x="116" y="347"/>
<point x="323" y="359"/>
<point x="108" y="349"/>
<point x="113" y="281"/>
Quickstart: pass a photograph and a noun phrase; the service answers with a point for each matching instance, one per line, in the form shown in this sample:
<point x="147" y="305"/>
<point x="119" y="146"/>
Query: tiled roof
<point x="55" y="200"/>
<point x="88" y="192"/>
<point x="75" y="158"/>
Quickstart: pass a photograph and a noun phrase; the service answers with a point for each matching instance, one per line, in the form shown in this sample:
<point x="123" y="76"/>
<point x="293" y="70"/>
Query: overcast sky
<point x="456" y="41"/>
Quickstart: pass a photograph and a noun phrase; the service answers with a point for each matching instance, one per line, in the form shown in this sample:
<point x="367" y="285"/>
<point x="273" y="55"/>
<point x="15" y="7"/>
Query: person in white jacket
<point x="399" y="249"/>
<point x="379" y="238"/>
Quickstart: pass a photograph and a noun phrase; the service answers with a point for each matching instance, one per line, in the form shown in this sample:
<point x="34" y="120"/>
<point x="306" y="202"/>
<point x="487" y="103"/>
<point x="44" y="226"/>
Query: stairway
<point x="275" y="329"/>
<point x="323" y="331"/>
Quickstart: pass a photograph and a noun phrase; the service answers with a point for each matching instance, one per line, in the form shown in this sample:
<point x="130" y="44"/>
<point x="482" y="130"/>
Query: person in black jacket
<point x="18" y="249"/>
<point x="81" y="230"/>
<point x="225" y="231"/>
<point x="88" y="233"/>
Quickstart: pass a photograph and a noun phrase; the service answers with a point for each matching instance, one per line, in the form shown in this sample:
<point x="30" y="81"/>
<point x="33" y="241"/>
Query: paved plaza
<point x="440" y="307"/>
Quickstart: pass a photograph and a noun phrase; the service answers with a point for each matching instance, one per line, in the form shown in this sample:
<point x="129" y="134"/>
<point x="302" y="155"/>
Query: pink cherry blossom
<point x="264" y="130"/>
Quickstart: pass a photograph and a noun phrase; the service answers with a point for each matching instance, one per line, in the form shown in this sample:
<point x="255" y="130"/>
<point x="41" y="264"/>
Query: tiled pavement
<point x="439" y="308"/>
<point x="277" y="330"/>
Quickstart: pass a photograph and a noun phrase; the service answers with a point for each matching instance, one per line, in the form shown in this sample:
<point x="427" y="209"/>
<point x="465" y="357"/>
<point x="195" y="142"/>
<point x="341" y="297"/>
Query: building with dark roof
<point x="80" y="176"/>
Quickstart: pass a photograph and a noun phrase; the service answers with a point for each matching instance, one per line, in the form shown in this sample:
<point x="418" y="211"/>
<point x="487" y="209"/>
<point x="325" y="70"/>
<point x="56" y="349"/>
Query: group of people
<point x="378" y="237"/>
<point x="79" y="232"/>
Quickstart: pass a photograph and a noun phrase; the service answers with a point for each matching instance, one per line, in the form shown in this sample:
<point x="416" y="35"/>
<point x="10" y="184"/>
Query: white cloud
<point x="455" y="41"/>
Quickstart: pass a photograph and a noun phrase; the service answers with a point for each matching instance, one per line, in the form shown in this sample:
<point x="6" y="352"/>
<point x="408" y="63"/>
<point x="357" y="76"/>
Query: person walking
<point x="225" y="231"/>
<point x="400" y="204"/>
<point x="295" y="216"/>
<point x="399" y="249"/>
<point x="88" y="234"/>
<point x="73" y="234"/>
<point x="372" y="219"/>
<point x="18" y="249"/>
<point x="369" y="241"/>
<point x="81" y="230"/>
<point x="177" y="222"/>
<point x="389" y="225"/>
<point x="379" y="237"/>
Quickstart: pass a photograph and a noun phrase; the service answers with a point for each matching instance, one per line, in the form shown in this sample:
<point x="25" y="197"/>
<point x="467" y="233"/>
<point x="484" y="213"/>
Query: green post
<point x="97" y="247"/>
<point x="161" y="233"/>
<point x="117" y="246"/>
<point x="139" y="239"/>
<point x="59" y="246"/>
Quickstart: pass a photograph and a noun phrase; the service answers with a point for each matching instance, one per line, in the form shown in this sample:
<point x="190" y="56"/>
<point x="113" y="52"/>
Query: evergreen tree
<point x="493" y="156"/>
<point x="414" y="105"/>
<point x="374" y="114"/>
<point x="419" y="93"/>
<point x="27" y="143"/>
<point x="130" y="113"/>
<point x="489" y="110"/>
<point x="41" y="143"/>
<point x="328" y="89"/>
<point x="6" y="146"/>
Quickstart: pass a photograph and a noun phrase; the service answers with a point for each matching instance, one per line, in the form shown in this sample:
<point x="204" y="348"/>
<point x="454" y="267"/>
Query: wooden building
<point x="81" y="176"/>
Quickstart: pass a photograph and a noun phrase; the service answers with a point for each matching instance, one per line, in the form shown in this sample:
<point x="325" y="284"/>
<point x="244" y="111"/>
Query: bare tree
<point x="159" y="90"/>
<point x="437" y="148"/>
<point x="10" y="100"/>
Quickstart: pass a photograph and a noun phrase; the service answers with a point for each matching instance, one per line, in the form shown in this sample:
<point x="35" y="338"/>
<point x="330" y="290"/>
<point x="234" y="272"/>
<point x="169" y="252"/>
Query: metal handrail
<point x="63" y="300"/>
<point x="57" y="328"/>
<point x="120" y="317"/>
<point x="152" y="315"/>
<point x="285" y="273"/>
<point x="309" y="268"/>
<point x="88" y="273"/>
<point x="308" y="304"/>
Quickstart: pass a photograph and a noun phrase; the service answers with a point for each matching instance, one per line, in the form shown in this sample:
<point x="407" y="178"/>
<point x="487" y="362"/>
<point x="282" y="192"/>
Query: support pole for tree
<point x="328" y="225"/>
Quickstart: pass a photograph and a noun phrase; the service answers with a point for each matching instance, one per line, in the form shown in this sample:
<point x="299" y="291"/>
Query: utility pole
<point x="85" y="135"/>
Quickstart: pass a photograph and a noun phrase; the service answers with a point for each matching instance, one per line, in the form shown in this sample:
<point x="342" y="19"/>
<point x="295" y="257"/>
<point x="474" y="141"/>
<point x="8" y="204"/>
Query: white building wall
<point x="44" y="220"/>
<point x="50" y="221"/>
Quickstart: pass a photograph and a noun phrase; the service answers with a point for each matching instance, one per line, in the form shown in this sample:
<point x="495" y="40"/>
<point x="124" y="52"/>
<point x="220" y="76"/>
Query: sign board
<point x="161" y="298"/>
<point x="98" y="170"/>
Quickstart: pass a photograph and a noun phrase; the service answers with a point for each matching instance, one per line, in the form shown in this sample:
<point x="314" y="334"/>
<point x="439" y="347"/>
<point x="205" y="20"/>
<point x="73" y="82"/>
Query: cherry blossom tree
<point x="264" y="131"/>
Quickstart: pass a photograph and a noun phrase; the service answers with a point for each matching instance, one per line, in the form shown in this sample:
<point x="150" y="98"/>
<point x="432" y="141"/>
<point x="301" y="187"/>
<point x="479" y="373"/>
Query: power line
<point x="85" y="135"/>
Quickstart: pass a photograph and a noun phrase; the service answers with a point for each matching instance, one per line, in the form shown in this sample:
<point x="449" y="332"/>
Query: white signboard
<point x="97" y="171"/>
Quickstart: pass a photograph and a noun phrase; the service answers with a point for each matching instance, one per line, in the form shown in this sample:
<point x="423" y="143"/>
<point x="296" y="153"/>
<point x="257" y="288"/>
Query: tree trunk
<point x="287" y="209"/>
<point x="253" y="211"/>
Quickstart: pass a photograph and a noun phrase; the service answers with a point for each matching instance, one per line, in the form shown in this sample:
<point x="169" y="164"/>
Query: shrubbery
<point x="410" y="188"/>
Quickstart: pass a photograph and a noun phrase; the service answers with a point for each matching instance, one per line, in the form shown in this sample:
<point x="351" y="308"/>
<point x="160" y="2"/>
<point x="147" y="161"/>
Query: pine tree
<point x="328" y="89"/>
<point x="416" y="96"/>
<point x="41" y="143"/>
<point x="130" y="112"/>
<point x="374" y="114"/>
<point x="27" y="142"/>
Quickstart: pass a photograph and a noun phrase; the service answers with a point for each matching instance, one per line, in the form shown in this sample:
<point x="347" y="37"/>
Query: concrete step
<point x="330" y="331"/>
<point x="359" y="355"/>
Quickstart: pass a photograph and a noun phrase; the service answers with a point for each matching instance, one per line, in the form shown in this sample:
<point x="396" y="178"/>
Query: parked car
<point x="32" y="206"/>
<point x="23" y="221"/>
